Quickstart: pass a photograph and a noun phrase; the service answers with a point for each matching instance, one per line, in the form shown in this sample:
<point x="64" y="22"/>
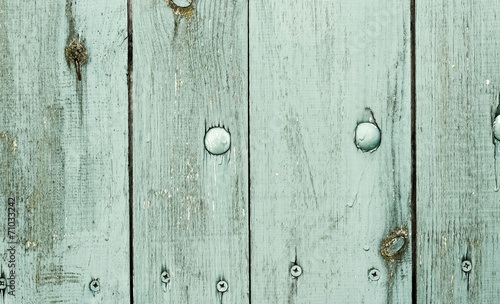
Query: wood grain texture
<point x="63" y="151"/>
<point x="315" y="199"/>
<point x="458" y="82"/>
<point x="190" y="207"/>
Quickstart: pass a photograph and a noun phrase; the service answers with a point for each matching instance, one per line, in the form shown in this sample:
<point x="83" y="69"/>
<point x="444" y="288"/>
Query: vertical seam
<point x="130" y="148"/>
<point x="414" y="253"/>
<point x="248" y="151"/>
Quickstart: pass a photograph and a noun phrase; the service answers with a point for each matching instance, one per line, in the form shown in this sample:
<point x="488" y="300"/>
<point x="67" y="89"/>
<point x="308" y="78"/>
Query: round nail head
<point x="367" y="137"/>
<point x="296" y="271"/>
<point x="466" y="266"/>
<point x="217" y="141"/>
<point x="496" y="127"/>
<point x="182" y="3"/>
<point x="222" y="286"/>
<point x="3" y="283"/>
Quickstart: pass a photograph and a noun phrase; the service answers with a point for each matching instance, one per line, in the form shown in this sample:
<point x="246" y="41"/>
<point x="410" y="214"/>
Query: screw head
<point x="296" y="271"/>
<point x="3" y="283"/>
<point x="222" y="286"/>
<point x="466" y="266"/>
<point x="165" y="277"/>
<point x="95" y="285"/>
<point x="374" y="274"/>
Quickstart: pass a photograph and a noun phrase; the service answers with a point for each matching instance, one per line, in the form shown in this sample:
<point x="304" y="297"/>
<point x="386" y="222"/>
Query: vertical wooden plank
<point x="63" y="152"/>
<point x="315" y="199"/>
<point x="190" y="207"/>
<point x="458" y="84"/>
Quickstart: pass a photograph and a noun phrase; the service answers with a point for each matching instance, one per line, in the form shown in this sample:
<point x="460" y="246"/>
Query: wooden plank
<point x="63" y="151"/>
<point x="190" y="207"/>
<point x="458" y="82"/>
<point x="315" y="200"/>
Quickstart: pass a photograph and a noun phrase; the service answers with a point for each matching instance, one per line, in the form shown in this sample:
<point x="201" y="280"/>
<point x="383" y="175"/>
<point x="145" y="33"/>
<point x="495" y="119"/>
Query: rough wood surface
<point x="63" y="151"/>
<point x="457" y="94"/>
<point x="190" y="207"/>
<point x="315" y="199"/>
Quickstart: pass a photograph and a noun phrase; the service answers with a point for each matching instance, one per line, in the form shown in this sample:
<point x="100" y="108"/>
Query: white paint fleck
<point x="487" y="81"/>
<point x="13" y="146"/>
<point x="175" y="84"/>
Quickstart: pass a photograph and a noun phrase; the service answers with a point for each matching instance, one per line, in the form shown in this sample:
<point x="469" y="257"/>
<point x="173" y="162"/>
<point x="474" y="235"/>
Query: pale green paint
<point x="63" y="150"/>
<point x="190" y="207"/>
<point x="457" y="95"/>
<point x="316" y="199"/>
<point x="314" y="68"/>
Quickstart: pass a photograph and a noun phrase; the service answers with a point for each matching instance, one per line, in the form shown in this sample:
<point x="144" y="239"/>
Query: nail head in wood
<point x="182" y="3"/>
<point x="217" y="140"/>
<point x="165" y="277"/>
<point x="374" y="274"/>
<point x="367" y="137"/>
<point x="222" y="286"/>
<point x="496" y="127"/>
<point x="296" y="271"/>
<point x="3" y="283"/>
<point x="466" y="266"/>
<point x="95" y="285"/>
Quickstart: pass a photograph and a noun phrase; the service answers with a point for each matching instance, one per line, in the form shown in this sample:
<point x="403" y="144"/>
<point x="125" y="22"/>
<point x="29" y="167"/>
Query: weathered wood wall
<point x="190" y="207"/>
<point x="63" y="151"/>
<point x="290" y="81"/>
<point x="457" y="57"/>
<point x="316" y="201"/>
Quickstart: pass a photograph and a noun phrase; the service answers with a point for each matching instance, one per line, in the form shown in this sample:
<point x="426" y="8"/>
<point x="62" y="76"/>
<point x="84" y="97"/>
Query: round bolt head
<point x="466" y="266"/>
<point x="165" y="277"/>
<point x="3" y="283"/>
<point x="182" y="3"/>
<point x="95" y="285"/>
<point x="217" y="141"/>
<point x="367" y="137"/>
<point x="496" y="127"/>
<point x="296" y="271"/>
<point x="374" y="274"/>
<point x="222" y="286"/>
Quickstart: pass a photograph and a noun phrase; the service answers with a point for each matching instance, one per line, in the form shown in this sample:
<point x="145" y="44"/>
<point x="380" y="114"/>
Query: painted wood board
<point x="190" y="207"/>
<point x="458" y="82"/>
<point x="63" y="152"/>
<point x="316" y="201"/>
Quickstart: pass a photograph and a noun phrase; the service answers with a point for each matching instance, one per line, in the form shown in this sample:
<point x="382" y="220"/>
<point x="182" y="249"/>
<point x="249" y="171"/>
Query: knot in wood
<point x="75" y="52"/>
